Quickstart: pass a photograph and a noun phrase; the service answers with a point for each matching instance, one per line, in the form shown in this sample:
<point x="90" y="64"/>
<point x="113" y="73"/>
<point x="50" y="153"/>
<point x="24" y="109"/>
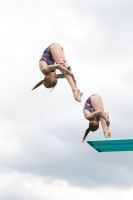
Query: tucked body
<point x="54" y="58"/>
<point x="94" y="112"/>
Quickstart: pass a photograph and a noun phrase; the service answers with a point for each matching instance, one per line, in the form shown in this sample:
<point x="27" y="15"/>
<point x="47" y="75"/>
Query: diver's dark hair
<point x="38" y="84"/>
<point x="47" y="83"/>
<point x="93" y="126"/>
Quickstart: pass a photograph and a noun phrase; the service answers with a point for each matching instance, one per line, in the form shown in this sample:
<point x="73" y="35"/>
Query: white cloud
<point x="27" y="186"/>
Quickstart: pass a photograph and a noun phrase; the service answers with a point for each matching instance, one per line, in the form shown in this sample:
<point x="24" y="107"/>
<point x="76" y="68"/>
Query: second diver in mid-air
<point x="94" y="112"/>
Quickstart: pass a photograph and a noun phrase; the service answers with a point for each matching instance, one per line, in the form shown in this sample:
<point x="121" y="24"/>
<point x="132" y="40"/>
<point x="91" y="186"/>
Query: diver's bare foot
<point x="75" y="93"/>
<point x="80" y="95"/>
<point x="107" y="135"/>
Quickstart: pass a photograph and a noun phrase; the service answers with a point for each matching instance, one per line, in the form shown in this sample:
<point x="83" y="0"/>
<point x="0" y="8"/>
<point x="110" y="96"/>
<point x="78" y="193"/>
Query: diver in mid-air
<point x="54" y="58"/>
<point x="94" y="112"/>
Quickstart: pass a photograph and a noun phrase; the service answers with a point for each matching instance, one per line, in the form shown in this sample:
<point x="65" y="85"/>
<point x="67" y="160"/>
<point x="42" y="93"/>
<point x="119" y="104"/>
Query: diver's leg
<point x="59" y="57"/>
<point x="97" y="104"/>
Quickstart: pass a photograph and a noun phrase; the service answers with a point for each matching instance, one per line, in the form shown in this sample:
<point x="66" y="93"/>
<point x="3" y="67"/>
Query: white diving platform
<point x="112" y="145"/>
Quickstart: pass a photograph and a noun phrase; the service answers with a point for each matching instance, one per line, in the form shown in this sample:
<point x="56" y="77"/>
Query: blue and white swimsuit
<point x="88" y="105"/>
<point x="47" y="56"/>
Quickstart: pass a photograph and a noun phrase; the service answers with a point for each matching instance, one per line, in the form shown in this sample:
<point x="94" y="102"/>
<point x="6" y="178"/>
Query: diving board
<point x="112" y="145"/>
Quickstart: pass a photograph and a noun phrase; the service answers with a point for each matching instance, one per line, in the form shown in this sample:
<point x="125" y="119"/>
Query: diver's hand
<point x="66" y="65"/>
